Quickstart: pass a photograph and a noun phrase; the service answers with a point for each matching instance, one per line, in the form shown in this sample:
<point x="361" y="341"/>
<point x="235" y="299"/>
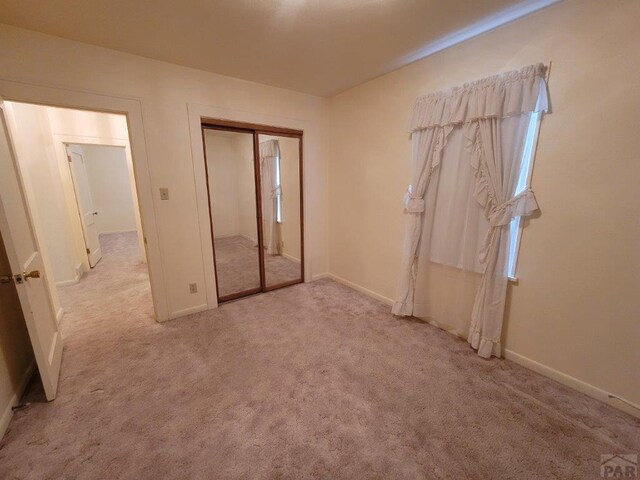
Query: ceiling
<point x="320" y="47"/>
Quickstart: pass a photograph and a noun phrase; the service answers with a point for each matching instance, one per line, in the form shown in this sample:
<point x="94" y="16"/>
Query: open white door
<point x="27" y="266"/>
<point x="85" y="203"/>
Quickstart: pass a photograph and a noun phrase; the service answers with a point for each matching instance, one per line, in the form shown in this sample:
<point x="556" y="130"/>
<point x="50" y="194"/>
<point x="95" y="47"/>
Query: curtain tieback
<point x="522" y="204"/>
<point x="413" y="203"/>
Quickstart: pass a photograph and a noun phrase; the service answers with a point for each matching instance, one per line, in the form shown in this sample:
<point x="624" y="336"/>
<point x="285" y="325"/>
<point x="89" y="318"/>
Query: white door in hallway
<point x="85" y="203"/>
<point x="28" y="272"/>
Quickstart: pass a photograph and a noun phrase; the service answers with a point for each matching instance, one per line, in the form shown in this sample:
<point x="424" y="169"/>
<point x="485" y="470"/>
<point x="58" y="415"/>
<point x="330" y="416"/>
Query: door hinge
<point x="88" y="251"/>
<point x="69" y="158"/>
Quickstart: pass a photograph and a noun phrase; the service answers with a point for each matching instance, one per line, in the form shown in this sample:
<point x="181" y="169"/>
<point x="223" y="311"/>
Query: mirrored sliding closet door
<point x="254" y="179"/>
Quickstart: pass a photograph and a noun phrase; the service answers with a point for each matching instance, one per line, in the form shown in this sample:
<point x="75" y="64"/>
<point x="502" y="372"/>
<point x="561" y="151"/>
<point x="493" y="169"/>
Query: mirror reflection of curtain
<point x="271" y="195"/>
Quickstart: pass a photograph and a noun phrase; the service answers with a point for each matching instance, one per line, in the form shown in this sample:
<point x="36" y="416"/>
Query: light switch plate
<point x="164" y="193"/>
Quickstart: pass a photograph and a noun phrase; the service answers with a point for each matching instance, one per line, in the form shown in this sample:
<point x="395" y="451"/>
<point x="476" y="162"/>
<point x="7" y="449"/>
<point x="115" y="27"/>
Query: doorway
<point x="254" y="185"/>
<point x="105" y="195"/>
<point x="76" y="171"/>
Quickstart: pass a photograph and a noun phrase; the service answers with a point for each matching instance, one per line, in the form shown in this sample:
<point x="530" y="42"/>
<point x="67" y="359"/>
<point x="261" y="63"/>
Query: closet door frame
<point x="256" y="130"/>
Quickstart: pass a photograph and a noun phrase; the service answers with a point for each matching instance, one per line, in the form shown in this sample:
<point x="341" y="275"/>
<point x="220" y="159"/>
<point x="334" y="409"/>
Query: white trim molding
<point x="189" y="311"/>
<point x="360" y="288"/>
<point x="572" y="382"/>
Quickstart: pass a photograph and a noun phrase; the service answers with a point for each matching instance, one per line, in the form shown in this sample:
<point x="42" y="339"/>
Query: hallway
<point x="113" y="297"/>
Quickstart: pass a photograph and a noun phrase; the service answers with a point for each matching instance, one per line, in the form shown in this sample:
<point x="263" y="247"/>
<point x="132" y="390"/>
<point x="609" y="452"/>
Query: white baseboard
<point x="290" y="257"/>
<point x="66" y="283"/>
<point x="7" y="412"/>
<point x="360" y="288"/>
<point x="79" y="272"/>
<point x="571" y="382"/>
<point x="188" y="311"/>
<point x="319" y="276"/>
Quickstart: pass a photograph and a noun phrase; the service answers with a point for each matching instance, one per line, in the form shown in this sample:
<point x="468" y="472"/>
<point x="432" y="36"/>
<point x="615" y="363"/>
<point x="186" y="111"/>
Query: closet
<point x="254" y="183"/>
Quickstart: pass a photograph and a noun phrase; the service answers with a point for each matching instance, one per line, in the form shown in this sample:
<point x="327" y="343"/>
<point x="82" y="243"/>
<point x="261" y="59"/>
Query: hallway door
<point x="85" y="203"/>
<point x="27" y="267"/>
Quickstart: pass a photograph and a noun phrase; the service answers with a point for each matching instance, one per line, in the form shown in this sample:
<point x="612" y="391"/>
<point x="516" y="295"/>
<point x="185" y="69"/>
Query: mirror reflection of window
<point x="280" y="182"/>
<point x="279" y="196"/>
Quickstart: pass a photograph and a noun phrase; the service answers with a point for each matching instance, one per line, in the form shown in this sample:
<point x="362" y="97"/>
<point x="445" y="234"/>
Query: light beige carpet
<point x="311" y="381"/>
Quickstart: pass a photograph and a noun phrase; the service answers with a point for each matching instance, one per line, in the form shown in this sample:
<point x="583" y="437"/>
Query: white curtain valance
<point x="270" y="148"/>
<point x="499" y="96"/>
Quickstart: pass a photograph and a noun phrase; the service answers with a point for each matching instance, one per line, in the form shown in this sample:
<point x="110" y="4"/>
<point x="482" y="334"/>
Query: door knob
<point x="31" y="274"/>
<point x="6" y="278"/>
<point x="95" y="213"/>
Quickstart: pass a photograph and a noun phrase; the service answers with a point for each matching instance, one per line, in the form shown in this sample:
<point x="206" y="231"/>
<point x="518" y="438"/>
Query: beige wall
<point x="222" y="172"/>
<point x="231" y="183"/>
<point x="576" y="307"/>
<point x="164" y="91"/>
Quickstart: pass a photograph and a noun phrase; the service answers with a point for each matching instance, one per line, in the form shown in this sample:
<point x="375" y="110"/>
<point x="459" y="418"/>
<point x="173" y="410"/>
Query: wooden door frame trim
<point x="219" y="124"/>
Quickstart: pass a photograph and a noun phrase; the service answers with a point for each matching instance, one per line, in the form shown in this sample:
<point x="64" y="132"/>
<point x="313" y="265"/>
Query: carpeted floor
<point x="311" y="381"/>
<point x="239" y="270"/>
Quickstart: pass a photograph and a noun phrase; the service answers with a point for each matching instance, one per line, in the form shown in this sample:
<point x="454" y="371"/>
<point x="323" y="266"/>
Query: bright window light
<point x="515" y="228"/>
<point x="278" y="198"/>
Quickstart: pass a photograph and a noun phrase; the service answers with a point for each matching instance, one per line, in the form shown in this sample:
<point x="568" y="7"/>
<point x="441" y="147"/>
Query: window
<point x="278" y="198"/>
<point x="515" y="228"/>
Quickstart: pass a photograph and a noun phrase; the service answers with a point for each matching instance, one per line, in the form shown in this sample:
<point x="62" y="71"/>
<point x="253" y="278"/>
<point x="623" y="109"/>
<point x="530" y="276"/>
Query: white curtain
<point x="427" y="151"/>
<point x="460" y="218"/>
<point x="271" y="192"/>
